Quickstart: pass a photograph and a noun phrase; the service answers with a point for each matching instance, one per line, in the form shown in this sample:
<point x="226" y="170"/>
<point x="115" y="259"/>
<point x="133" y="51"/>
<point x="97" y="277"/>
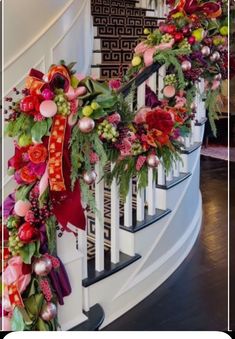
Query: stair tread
<point x="110" y="268"/>
<point x="175" y="181"/>
<point x="148" y="220"/>
<point x="191" y="149"/>
<point x="95" y="319"/>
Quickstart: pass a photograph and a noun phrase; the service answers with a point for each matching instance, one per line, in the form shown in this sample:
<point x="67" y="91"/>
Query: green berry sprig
<point x="14" y="242"/>
<point x="166" y="38"/>
<point x="185" y="45"/>
<point x="170" y="79"/>
<point x="63" y="106"/>
<point x="137" y="148"/>
<point x="108" y="131"/>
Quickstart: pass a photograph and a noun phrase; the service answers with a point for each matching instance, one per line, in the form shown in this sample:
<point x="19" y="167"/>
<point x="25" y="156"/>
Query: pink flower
<point x="29" y="217"/>
<point x="115" y="84"/>
<point x="141" y="48"/>
<point x="140" y="117"/>
<point x="140" y="162"/>
<point x="114" y="118"/>
<point x="93" y="158"/>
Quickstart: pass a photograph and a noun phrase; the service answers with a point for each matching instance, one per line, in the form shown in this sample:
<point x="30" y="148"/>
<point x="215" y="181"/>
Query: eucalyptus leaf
<point x="17" y="320"/>
<point x="27" y="252"/>
<point x="34" y="304"/>
<point x="38" y="130"/>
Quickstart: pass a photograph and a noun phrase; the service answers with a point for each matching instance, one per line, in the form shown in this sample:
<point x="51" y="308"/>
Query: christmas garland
<point x="65" y="124"/>
<point x="193" y="45"/>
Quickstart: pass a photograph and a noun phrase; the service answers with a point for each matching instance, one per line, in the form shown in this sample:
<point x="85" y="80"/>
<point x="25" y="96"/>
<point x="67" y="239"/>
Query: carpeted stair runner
<point x="118" y="25"/>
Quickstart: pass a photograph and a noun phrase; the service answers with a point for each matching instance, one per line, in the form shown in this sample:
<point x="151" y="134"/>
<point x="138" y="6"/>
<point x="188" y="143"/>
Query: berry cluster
<point x="14" y="242"/>
<point x="108" y="131"/>
<point x="185" y="45"/>
<point x="137" y="148"/>
<point x="166" y="38"/>
<point x="63" y="106"/>
<point x="170" y="79"/>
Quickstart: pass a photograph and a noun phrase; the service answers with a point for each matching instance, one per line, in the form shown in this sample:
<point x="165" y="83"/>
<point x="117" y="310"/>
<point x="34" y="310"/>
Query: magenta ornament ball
<point x="48" y="94"/>
<point x="49" y="311"/>
<point x="169" y="91"/>
<point x="152" y="161"/>
<point x="186" y="65"/>
<point x="89" y="177"/>
<point x="86" y="125"/>
<point x="48" y="108"/>
<point x="42" y="266"/>
<point x="22" y="207"/>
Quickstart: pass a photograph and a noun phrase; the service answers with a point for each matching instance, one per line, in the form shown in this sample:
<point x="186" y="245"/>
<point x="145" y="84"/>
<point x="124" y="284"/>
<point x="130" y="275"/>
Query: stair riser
<point x="125" y="21"/>
<point x="119" y="30"/>
<point x="112" y="56"/>
<point x="115" y="44"/>
<point x="108" y="72"/>
<point x="107" y="10"/>
<point x="117" y="3"/>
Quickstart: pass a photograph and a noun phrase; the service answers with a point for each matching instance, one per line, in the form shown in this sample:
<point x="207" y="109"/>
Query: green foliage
<point x="23" y="191"/>
<point x="27" y="252"/>
<point x="88" y="197"/>
<point x="22" y="124"/>
<point x="38" y="130"/>
<point x="211" y="104"/>
<point x="17" y="320"/>
<point x="51" y="233"/>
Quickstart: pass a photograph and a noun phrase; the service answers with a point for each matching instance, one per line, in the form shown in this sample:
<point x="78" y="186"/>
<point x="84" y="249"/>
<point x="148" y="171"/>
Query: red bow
<point x="190" y="7"/>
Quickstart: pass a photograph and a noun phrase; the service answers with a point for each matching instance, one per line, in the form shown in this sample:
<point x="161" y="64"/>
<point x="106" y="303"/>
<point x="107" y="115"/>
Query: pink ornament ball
<point x="42" y="266"/>
<point x="169" y="91"/>
<point x="48" y="108"/>
<point x="86" y="125"/>
<point x="22" y="207"/>
<point x="47" y="94"/>
<point x="49" y="311"/>
<point x="186" y="65"/>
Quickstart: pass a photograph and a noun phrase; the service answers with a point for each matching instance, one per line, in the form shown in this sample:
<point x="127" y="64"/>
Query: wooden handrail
<point x="139" y="79"/>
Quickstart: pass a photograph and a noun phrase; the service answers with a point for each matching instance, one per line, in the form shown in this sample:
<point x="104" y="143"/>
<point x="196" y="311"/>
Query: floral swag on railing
<point x="65" y="124"/>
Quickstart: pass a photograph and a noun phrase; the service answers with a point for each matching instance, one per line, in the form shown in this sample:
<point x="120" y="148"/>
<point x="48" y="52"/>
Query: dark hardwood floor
<point x="195" y="297"/>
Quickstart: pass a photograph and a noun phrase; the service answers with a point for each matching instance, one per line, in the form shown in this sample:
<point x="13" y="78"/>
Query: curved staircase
<point x="136" y="245"/>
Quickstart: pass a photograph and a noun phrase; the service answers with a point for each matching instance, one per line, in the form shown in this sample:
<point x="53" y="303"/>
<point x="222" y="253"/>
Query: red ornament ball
<point x="178" y="36"/>
<point x="191" y="40"/>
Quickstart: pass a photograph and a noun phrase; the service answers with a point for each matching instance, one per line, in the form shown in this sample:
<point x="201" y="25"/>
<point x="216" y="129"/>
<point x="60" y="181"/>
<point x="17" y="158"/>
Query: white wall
<point x="38" y="33"/>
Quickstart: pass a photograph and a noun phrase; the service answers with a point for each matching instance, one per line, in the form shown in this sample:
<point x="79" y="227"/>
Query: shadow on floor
<point x="195" y="297"/>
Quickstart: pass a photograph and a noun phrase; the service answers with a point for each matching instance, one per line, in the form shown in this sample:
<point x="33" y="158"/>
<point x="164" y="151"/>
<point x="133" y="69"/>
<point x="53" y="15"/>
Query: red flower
<point x="160" y="120"/>
<point x="27" y="175"/>
<point x="28" y="233"/>
<point x="19" y="159"/>
<point x="37" y="153"/>
<point x="156" y="137"/>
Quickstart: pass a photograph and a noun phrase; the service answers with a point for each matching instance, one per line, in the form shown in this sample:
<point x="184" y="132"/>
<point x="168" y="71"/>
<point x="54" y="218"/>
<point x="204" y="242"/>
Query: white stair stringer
<point x="163" y="246"/>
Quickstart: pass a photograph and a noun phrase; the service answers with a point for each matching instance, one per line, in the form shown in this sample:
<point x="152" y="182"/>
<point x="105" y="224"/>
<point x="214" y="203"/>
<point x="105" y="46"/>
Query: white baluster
<point x="161" y="75"/>
<point x="161" y="176"/>
<point x="128" y="207"/>
<point x="114" y="221"/>
<point x="99" y="221"/>
<point x="176" y="168"/>
<point x="151" y="192"/>
<point x="192" y="132"/>
<point x="187" y="142"/>
<point x="153" y="82"/>
<point x="170" y="175"/>
<point x="140" y="193"/>
<point x="82" y="246"/>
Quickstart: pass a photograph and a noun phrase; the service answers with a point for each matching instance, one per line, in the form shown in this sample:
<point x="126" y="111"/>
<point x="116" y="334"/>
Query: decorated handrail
<point x="67" y="128"/>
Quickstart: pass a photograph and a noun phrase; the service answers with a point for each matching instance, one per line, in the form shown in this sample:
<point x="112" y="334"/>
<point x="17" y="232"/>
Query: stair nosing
<point x="105" y="274"/>
<point x="191" y="149"/>
<point x="173" y="183"/>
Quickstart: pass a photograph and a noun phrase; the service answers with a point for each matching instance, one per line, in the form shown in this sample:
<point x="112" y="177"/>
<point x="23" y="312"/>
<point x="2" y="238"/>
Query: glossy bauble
<point x="48" y="94"/>
<point x="169" y="91"/>
<point x="205" y="50"/>
<point x="191" y="40"/>
<point x="215" y="56"/>
<point x="28" y="233"/>
<point x="218" y="77"/>
<point x="86" y="125"/>
<point x="178" y="37"/>
<point x="89" y="177"/>
<point x="152" y="161"/>
<point x="48" y="312"/>
<point x="22" y="207"/>
<point x="48" y="108"/>
<point x="186" y="66"/>
<point x="42" y="266"/>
